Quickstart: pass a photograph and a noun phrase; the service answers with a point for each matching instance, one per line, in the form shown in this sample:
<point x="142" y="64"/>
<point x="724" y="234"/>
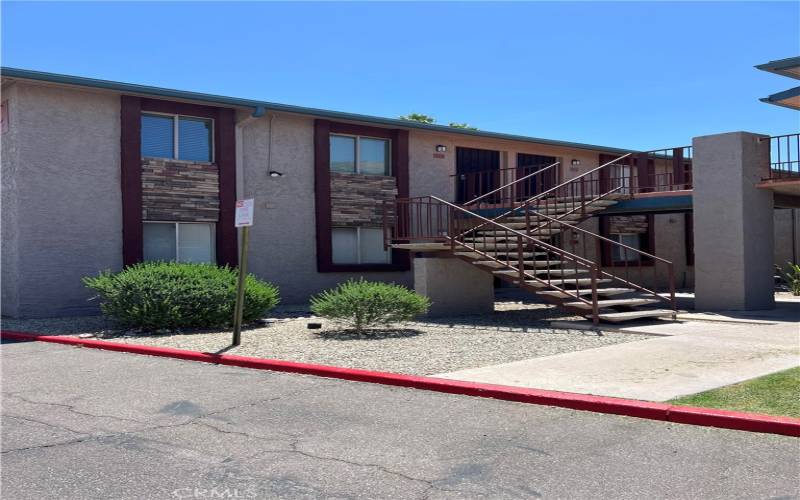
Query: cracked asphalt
<point x="85" y="424"/>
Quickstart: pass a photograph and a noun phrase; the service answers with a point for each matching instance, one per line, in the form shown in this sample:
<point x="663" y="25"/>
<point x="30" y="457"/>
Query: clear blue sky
<point x="637" y="75"/>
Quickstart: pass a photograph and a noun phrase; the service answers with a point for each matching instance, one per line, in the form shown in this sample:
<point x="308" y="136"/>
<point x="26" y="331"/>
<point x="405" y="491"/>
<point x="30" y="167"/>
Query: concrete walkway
<point x="697" y="356"/>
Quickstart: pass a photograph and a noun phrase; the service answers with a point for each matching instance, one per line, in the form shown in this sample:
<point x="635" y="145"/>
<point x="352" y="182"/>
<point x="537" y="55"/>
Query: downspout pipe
<point x="258" y="112"/>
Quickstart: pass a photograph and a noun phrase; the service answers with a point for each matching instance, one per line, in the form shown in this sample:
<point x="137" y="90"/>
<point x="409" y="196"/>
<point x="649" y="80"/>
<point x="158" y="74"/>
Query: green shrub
<point x="169" y="295"/>
<point x="363" y="304"/>
<point x="791" y="275"/>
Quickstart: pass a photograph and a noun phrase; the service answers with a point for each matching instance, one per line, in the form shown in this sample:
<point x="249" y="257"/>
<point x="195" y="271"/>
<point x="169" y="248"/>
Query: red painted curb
<point x="602" y="404"/>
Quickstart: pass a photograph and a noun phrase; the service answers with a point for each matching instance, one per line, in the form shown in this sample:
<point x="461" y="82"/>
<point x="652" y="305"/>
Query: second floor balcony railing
<point x="784" y="152"/>
<point x="661" y="170"/>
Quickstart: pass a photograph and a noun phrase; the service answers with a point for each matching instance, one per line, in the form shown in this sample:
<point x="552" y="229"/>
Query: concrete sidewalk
<point x="698" y="356"/>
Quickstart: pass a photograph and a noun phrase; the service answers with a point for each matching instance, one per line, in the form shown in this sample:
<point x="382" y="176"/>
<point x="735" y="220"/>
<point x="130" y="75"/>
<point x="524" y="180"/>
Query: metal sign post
<point x="244" y="219"/>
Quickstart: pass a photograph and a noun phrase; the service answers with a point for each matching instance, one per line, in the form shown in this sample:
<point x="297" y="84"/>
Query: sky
<point x="630" y="75"/>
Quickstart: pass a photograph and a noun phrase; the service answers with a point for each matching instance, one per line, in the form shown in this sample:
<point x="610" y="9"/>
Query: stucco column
<point x="733" y="223"/>
<point x="453" y="286"/>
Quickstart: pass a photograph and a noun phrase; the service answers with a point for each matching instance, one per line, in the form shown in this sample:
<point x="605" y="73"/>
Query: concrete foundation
<point x="453" y="286"/>
<point x="733" y="223"/>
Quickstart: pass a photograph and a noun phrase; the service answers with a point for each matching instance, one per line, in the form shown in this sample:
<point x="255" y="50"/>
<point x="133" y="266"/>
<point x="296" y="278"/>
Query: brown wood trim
<point x="131" y="179"/>
<point x="401" y="260"/>
<point x="605" y="248"/>
<point x="131" y="173"/>
<point x="605" y="178"/>
<point x="645" y="172"/>
<point x="678" y="172"/>
<point x="225" y="156"/>
<point x="688" y="237"/>
<point x="179" y="108"/>
<point x="354" y="129"/>
<point x="322" y="193"/>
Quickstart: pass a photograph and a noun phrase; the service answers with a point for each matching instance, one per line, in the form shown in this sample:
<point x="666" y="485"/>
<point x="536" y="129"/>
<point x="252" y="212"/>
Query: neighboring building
<point x="98" y="175"/>
<point x="785" y="67"/>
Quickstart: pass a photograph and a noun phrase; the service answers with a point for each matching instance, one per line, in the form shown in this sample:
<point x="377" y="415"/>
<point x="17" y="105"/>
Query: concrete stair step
<point x="561" y="282"/>
<point x="573" y="202"/>
<point x="607" y="292"/>
<point x="501" y="246"/>
<point x="546" y="231"/>
<point x="476" y="255"/>
<point x="555" y="215"/>
<point x="521" y="225"/>
<point x="618" y="317"/>
<point x="527" y="263"/>
<point x="613" y="303"/>
<point x="544" y="272"/>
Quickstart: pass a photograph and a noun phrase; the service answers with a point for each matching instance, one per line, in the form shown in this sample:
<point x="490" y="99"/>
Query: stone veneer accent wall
<point x="357" y="199"/>
<point x="626" y="224"/>
<point x="180" y="191"/>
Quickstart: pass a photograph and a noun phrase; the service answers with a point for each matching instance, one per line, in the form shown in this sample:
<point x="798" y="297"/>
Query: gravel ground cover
<point x="515" y="331"/>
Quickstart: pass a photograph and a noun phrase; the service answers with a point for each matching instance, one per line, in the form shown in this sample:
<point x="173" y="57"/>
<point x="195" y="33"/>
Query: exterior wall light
<point x="440" y="148"/>
<point x="576" y="162"/>
<point x="275" y="173"/>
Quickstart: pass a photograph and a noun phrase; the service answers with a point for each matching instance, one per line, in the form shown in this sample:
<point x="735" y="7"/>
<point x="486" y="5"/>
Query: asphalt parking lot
<point x="83" y="423"/>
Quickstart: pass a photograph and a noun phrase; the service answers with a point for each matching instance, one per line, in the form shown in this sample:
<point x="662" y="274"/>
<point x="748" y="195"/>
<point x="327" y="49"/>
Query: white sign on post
<point x="244" y="212"/>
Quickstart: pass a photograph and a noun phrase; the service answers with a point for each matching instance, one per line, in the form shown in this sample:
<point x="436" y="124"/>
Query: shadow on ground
<point x="370" y="334"/>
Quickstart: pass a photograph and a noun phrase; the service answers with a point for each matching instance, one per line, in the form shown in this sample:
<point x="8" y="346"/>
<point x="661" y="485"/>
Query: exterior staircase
<point x="525" y="246"/>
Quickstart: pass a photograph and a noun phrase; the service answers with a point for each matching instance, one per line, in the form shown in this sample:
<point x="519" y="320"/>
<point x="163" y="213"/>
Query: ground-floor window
<point x="179" y="241"/>
<point x="634" y="231"/>
<point x="359" y="245"/>
<point x="621" y="254"/>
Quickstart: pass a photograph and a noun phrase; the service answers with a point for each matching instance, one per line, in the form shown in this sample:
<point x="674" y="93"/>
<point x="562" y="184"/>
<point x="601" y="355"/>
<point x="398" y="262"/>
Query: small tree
<point x="461" y="125"/>
<point x="418" y="117"/>
<point x="364" y="304"/>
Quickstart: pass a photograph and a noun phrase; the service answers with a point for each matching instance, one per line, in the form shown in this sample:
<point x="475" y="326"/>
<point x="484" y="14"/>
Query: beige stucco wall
<point x="61" y="213"/>
<point x="785" y="250"/>
<point x="669" y="244"/>
<point x="9" y="238"/>
<point x="283" y="238"/>
<point x="432" y="176"/>
<point x="66" y="180"/>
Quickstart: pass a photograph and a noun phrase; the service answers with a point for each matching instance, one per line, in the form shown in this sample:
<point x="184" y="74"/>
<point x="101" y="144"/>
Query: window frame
<point x="646" y="243"/>
<point x="358" y="247"/>
<point x="618" y="237"/>
<point x="176" y="133"/>
<point x="357" y="158"/>
<point x="177" y="238"/>
<point x="401" y="260"/>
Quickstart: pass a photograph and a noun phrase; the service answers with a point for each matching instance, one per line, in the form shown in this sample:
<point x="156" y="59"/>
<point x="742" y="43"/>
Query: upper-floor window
<point x="177" y="137"/>
<point x="362" y="155"/>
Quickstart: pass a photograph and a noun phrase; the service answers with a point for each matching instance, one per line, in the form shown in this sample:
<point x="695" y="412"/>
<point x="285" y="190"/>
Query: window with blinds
<point x="177" y="137"/>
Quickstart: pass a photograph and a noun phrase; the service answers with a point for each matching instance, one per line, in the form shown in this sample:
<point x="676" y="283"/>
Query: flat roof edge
<point x="162" y="92"/>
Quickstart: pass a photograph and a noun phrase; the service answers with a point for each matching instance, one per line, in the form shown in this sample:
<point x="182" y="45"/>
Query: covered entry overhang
<point x="786" y="191"/>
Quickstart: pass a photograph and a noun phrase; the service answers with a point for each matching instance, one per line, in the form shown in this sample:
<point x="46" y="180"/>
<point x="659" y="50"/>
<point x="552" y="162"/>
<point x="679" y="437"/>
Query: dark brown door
<point x="477" y="172"/>
<point x="528" y="164"/>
